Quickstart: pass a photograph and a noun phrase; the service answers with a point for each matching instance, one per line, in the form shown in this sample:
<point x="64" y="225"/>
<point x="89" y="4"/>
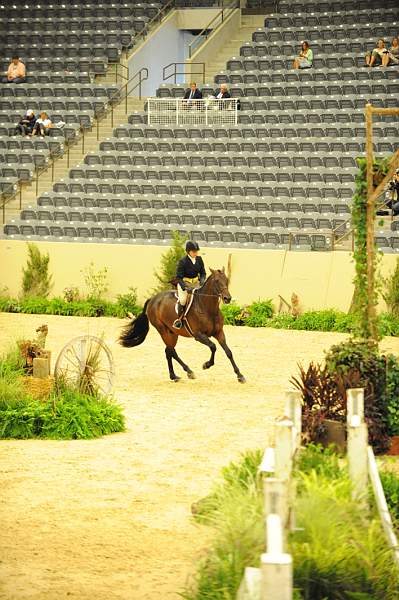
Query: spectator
<point x="392" y="194"/>
<point x="42" y="125"/>
<point x="393" y="53"/>
<point x="377" y="56"/>
<point x="26" y="124"/>
<point x="223" y="92"/>
<point x="16" y="72"/>
<point x="305" y="58"/>
<point x="193" y="93"/>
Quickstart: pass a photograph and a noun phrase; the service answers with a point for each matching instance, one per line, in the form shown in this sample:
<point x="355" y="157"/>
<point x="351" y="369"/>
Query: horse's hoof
<point x="207" y="365"/>
<point x="175" y="379"/>
<point x="191" y="374"/>
<point x="241" y="378"/>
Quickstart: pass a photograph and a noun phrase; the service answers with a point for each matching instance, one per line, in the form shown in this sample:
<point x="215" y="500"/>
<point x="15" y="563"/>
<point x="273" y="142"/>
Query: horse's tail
<point x="135" y="333"/>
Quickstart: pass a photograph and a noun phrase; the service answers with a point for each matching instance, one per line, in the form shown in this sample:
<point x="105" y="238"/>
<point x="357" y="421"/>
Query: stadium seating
<point x="283" y="177"/>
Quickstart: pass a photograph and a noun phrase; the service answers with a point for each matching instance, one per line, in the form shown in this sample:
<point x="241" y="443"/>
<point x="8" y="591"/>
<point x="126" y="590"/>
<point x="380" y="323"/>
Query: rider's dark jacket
<point x="187" y="269"/>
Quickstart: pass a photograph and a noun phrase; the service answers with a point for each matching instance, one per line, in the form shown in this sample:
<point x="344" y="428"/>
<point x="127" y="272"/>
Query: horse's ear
<point x="212" y="270"/>
<point x="223" y="271"/>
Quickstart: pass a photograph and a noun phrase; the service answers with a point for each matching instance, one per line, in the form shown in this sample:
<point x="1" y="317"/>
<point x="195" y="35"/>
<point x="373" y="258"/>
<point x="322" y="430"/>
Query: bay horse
<point x="204" y="320"/>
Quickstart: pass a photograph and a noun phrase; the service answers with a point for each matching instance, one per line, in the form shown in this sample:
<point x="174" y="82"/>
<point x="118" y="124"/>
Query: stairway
<point x="244" y="34"/>
<point x="76" y="154"/>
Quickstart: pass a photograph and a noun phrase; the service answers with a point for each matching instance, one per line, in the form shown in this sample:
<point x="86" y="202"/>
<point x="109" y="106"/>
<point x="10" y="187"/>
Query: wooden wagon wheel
<point x="86" y="363"/>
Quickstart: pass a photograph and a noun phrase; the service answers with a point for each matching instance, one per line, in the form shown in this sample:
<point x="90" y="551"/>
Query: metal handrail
<point x="205" y="30"/>
<point x="126" y="78"/>
<point x="158" y="17"/>
<point x="117" y="97"/>
<point x="176" y="73"/>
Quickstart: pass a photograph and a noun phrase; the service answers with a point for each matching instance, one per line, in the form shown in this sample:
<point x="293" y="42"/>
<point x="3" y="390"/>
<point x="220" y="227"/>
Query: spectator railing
<point x="212" y="26"/>
<point x="177" y="111"/>
<point x="184" y="72"/>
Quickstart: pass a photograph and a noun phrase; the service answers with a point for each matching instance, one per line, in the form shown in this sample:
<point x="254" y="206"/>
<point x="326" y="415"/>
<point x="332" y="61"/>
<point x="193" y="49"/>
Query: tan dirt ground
<point x="110" y="518"/>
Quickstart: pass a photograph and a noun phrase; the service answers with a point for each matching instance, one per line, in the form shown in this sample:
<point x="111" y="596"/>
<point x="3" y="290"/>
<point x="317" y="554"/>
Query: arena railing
<point x="185" y="72"/>
<point x="212" y="26"/>
<point x="177" y="111"/>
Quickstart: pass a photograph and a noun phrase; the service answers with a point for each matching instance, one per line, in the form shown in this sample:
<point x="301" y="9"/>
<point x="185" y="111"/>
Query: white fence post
<point x="276" y="566"/>
<point x="293" y="410"/>
<point x="357" y="441"/>
<point x="283" y="449"/>
<point x="277" y="501"/>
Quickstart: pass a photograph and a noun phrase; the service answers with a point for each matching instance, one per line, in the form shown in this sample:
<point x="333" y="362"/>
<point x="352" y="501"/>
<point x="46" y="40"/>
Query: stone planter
<point x="335" y="434"/>
<point x="394" y="449"/>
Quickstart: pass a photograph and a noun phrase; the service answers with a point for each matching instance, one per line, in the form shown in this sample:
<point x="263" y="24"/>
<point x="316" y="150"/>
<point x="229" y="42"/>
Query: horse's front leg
<point x="221" y="338"/>
<point x="204" y="339"/>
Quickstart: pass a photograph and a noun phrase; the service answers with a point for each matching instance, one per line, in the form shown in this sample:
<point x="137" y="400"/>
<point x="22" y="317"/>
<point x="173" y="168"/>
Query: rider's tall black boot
<point x="177" y="324"/>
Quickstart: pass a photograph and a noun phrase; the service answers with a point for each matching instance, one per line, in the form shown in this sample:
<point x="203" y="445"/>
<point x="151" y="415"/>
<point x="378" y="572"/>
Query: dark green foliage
<point x="259" y="313"/>
<point x="169" y="260"/>
<point x="351" y="364"/>
<point x="390" y="483"/>
<point x="70" y="416"/>
<point x="67" y="414"/>
<point x="340" y="554"/>
<point x="232" y="314"/>
<point x="391" y="292"/>
<point x="323" y="461"/>
<point x="36" y="280"/>
<point x="82" y="308"/>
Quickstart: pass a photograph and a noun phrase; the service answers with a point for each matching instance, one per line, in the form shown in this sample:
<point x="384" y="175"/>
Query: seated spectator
<point x="392" y="58"/>
<point x="16" y="72"/>
<point x="305" y="58"/>
<point x="392" y="194"/>
<point x="377" y="56"/>
<point x="42" y="125"/>
<point x="26" y="124"/>
<point x="193" y="93"/>
<point x="223" y="92"/>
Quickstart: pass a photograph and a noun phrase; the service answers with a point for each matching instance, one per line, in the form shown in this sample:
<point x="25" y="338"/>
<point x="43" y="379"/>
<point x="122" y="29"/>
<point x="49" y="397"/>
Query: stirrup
<point x="177" y="324"/>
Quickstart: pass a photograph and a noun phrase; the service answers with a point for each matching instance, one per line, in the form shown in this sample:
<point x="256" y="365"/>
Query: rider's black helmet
<point x="192" y="246"/>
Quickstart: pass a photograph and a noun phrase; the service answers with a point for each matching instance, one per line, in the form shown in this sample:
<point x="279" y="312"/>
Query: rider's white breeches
<point x="182" y="295"/>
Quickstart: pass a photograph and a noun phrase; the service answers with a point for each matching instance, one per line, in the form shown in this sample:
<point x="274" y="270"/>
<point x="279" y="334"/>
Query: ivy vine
<point x="362" y="302"/>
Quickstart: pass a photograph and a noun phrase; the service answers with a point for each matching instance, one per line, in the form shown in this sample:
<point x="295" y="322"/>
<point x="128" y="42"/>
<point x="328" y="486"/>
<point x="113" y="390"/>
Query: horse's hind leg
<point x="204" y="339"/>
<point x="170" y="352"/>
<point x="190" y="373"/>
<point x="221" y="338"/>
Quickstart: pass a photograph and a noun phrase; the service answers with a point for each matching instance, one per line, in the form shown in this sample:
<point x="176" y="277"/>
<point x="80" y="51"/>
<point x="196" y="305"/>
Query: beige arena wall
<point x="320" y="279"/>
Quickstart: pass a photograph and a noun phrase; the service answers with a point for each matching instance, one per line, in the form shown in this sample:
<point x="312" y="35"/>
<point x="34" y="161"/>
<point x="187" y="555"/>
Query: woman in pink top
<point x="16" y="72"/>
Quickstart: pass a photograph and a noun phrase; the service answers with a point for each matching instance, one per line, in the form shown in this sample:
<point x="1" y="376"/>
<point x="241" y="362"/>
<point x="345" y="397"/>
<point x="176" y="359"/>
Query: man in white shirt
<point x="16" y="72"/>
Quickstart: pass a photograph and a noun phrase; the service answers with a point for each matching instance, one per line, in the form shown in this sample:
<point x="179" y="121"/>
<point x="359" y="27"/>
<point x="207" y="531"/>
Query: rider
<point x="190" y="273"/>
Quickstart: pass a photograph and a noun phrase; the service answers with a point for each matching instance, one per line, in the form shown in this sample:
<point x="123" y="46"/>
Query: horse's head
<point x="220" y="284"/>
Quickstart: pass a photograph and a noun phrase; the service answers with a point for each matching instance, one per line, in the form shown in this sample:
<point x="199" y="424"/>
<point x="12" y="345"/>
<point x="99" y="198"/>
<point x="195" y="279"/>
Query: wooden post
<point x="370" y="217"/>
<point x="283" y="449"/>
<point x="293" y="410"/>
<point x="357" y="442"/>
<point x="276" y="566"/>
<point x="41" y="368"/>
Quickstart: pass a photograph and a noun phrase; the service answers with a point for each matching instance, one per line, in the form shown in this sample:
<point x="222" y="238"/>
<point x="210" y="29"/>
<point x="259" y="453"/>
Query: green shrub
<point x="66" y="415"/>
<point x="169" y="260"/>
<point x="232" y="314"/>
<point x="259" y="313"/>
<point x="281" y="321"/>
<point x="390" y="483"/>
<point x="127" y="303"/>
<point x="322" y="461"/>
<point x="391" y="291"/>
<point x="96" y="281"/>
<point x="235" y="515"/>
<point x="340" y="552"/>
<point x="36" y="280"/>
